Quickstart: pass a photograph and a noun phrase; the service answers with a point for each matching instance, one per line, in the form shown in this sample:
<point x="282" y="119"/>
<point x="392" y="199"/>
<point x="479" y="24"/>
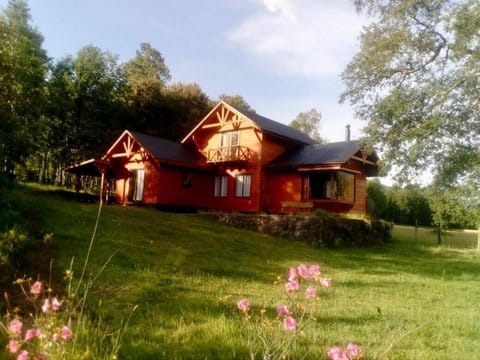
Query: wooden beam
<point x="208" y="126"/>
<point x="365" y="161"/>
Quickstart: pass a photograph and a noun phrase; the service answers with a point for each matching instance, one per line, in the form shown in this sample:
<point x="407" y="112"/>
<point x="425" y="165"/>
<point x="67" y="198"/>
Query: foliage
<point x="308" y="122"/>
<point x="57" y="328"/>
<point x="409" y="205"/>
<point x="415" y="79"/>
<point x="23" y="67"/>
<point x="275" y="337"/>
<point x="237" y="101"/>
<point x="11" y="243"/>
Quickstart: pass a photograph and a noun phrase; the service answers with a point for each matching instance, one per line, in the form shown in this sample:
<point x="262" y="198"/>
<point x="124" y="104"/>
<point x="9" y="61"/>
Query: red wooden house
<point x="234" y="160"/>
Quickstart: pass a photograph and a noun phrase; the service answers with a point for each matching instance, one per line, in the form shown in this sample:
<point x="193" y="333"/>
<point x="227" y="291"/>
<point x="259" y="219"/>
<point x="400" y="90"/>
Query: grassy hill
<point x="403" y="300"/>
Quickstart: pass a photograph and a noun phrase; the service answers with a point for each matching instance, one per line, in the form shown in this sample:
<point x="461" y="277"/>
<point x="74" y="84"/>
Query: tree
<point x="97" y="84"/>
<point x="415" y="79"/>
<point x="148" y="65"/>
<point x="308" y="123"/>
<point x="23" y="68"/>
<point x="376" y="200"/>
<point x="185" y="106"/>
<point x="237" y="101"/>
<point x="146" y="76"/>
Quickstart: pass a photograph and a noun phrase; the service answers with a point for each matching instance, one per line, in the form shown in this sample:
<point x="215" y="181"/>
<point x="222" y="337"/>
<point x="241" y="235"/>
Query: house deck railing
<point x="230" y="153"/>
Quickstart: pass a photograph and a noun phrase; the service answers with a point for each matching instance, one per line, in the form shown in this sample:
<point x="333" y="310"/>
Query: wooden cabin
<point x="234" y="160"/>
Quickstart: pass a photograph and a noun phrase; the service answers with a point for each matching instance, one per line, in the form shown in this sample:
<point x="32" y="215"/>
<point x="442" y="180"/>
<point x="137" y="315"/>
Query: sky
<point x="283" y="56"/>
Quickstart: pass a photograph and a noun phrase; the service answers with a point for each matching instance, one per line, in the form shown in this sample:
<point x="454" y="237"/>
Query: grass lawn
<point x="404" y="300"/>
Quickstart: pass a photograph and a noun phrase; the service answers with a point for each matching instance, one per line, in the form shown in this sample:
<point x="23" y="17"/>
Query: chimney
<point x="347" y="133"/>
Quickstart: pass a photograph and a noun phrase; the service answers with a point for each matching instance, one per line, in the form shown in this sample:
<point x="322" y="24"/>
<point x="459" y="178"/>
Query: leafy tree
<point x="148" y="66"/>
<point x="237" y="101"/>
<point x="146" y="76"/>
<point x="96" y="101"/>
<point x="185" y="106"/>
<point x="376" y="200"/>
<point x="415" y="79"/>
<point x="308" y="123"/>
<point x="23" y="67"/>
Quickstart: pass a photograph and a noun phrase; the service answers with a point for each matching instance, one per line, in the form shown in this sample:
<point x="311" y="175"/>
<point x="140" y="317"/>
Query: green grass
<point x="404" y="300"/>
<point x="460" y="239"/>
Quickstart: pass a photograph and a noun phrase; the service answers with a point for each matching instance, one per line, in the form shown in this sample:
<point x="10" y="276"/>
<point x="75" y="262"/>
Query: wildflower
<point x="291" y="286"/>
<point x="310" y="293"/>
<point x="289" y="323"/>
<point x="13" y="346"/>
<point x="41" y="356"/>
<point x="303" y="271"/>
<point x="15" y="327"/>
<point x="292" y="274"/>
<point x="282" y="310"/>
<point x="23" y="355"/>
<point x="55" y="304"/>
<point x="46" y="306"/>
<point x="314" y="271"/>
<point x="32" y="334"/>
<point x="243" y="305"/>
<point x="354" y="351"/>
<point x="325" y="282"/>
<point x="336" y="353"/>
<point x="65" y="333"/>
<point x="36" y="288"/>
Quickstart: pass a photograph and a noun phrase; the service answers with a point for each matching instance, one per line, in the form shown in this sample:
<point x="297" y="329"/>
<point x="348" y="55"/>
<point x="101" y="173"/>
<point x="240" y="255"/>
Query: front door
<point x="135" y="185"/>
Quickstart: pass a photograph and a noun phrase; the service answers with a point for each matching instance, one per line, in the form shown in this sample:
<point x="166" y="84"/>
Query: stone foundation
<point x="323" y="231"/>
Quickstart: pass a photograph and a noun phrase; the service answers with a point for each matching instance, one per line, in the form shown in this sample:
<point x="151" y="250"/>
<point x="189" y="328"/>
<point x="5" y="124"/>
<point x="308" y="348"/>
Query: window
<point x="242" y="185"/>
<point x="220" y="188"/>
<point x="335" y="185"/>
<point x="229" y="142"/>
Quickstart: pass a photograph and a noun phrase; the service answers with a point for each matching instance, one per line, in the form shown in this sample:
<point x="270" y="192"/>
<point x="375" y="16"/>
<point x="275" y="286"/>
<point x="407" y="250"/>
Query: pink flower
<point x="310" y="293"/>
<point x="243" y="305"/>
<point x="303" y="271"/>
<point x="32" y="334"/>
<point x="292" y="286"/>
<point x="292" y="274"/>
<point x="354" y="351"/>
<point x="325" y="282"/>
<point x="289" y="323"/>
<point x="45" y="306"/>
<point x="314" y="270"/>
<point x="55" y="304"/>
<point x="65" y="333"/>
<point x="15" y="327"/>
<point x="13" y="346"/>
<point x="36" y="288"/>
<point x="23" y="355"/>
<point x="336" y="353"/>
<point x="55" y="337"/>
<point x="41" y="356"/>
<point x="282" y="310"/>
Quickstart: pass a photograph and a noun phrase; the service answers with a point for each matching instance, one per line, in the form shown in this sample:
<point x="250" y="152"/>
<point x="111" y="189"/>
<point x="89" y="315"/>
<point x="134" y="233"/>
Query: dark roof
<point x="169" y="150"/>
<point x="275" y="128"/>
<point x="317" y="154"/>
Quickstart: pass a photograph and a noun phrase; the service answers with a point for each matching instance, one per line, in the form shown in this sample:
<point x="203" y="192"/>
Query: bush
<point x="12" y="244"/>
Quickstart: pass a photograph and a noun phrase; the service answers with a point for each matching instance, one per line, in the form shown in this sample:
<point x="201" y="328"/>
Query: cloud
<point x="284" y="7"/>
<point x="305" y="37"/>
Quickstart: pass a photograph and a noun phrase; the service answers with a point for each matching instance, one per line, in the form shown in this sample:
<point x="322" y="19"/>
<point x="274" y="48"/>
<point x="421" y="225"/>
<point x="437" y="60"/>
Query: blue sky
<point x="282" y="56"/>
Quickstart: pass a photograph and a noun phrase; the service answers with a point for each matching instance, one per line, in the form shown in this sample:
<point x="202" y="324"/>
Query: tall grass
<point x="403" y="300"/>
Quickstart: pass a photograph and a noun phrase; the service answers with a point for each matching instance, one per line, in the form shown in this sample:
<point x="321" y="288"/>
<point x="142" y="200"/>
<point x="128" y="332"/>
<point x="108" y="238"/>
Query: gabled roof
<point x="168" y="150"/>
<point x="275" y="128"/>
<point x="336" y="153"/>
<point x="266" y="125"/>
